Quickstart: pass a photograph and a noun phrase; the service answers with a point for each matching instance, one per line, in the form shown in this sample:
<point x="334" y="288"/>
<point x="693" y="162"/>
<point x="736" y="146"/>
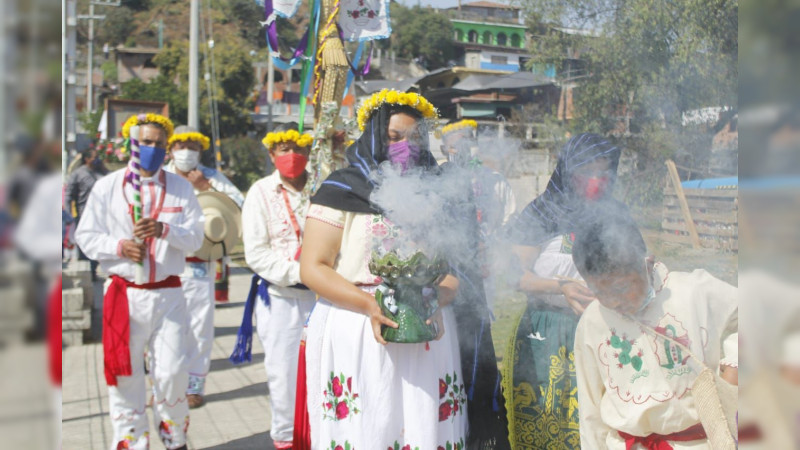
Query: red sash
<point x="117" y="325"/>
<point x="661" y="441"/>
<point x="54" y="333"/>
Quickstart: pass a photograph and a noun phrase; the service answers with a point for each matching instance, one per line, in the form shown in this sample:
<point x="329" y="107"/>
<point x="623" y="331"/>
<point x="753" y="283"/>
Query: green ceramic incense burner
<point x="408" y="294"/>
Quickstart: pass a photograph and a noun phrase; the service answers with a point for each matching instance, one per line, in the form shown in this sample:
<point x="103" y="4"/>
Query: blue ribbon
<point x="243" y="350"/>
<point x="351" y="74"/>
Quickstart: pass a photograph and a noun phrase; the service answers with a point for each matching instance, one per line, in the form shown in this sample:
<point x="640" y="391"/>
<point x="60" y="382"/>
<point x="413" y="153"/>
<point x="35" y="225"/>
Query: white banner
<point x="364" y="20"/>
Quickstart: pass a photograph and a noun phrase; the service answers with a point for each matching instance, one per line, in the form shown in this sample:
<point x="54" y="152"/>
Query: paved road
<point x="236" y="415"/>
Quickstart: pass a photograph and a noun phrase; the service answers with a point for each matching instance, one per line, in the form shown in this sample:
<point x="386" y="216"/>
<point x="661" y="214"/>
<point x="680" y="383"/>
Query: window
<point x="459" y="35"/>
<point x="473" y="36"/>
<point x="501" y="39"/>
<point x="515" y="40"/>
<point x="487" y="37"/>
<point x="499" y="59"/>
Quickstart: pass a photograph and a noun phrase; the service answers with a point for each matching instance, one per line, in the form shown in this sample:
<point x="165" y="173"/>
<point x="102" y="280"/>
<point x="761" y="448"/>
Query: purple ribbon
<point x="365" y="69"/>
<point x="272" y="38"/>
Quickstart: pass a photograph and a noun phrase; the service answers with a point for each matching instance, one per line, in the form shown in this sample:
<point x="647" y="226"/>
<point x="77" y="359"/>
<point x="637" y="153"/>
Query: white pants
<point x="158" y="326"/>
<point x="199" y="293"/>
<point x="280" y="327"/>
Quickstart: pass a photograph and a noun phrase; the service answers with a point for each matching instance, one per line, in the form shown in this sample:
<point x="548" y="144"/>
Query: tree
<point x="422" y="33"/>
<point x="646" y="63"/>
<point x="117" y="26"/>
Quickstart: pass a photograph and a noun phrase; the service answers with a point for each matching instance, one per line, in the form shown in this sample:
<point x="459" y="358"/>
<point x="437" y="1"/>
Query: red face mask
<point x="291" y="165"/>
<point x="594" y="187"/>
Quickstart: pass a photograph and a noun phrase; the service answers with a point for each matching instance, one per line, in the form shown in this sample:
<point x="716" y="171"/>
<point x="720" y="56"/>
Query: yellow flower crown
<point x="460" y="125"/>
<point x="141" y="119"/>
<point x="190" y="136"/>
<point x="393" y="97"/>
<point x="302" y="140"/>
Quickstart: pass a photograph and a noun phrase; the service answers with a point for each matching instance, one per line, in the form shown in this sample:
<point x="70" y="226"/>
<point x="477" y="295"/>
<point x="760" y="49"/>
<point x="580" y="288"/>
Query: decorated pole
<point x="136" y="182"/>
<point x="332" y="66"/>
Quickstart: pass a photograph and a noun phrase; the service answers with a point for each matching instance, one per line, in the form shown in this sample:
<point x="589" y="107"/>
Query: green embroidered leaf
<point x="636" y="362"/>
<point x="448" y="446"/>
<point x="455" y="388"/>
<point x="346" y="445"/>
<point x="332" y="375"/>
<point x="396" y="445"/>
<point x="447" y="379"/>
<point x="615" y="340"/>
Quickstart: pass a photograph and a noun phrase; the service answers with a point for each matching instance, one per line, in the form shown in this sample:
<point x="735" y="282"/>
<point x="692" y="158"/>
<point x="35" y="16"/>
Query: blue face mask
<point x="151" y="158"/>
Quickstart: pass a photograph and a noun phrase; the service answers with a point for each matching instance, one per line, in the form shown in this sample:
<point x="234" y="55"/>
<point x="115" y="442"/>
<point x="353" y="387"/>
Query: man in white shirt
<point x="151" y="316"/>
<point x="273" y="219"/>
<point x="185" y="147"/>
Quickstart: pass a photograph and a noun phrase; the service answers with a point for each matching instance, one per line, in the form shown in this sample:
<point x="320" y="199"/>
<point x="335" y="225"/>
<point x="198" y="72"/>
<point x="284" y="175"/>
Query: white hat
<point x="223" y="225"/>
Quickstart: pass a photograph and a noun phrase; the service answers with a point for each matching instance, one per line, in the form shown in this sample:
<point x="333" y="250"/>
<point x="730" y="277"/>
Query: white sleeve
<point x="187" y="236"/>
<point x="93" y="235"/>
<point x="258" y="253"/>
<point x="590" y="390"/>
<point x="730" y="341"/>
<point x="221" y="183"/>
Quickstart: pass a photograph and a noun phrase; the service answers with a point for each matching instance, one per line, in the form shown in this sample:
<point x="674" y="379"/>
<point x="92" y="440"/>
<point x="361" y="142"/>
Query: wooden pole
<point x="687" y="214"/>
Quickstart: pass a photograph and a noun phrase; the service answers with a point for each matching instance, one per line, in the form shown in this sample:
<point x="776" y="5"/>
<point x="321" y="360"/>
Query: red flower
<point x="355" y="396"/>
<point x="355" y="14"/>
<point x="337" y="387"/>
<point x="455" y="406"/>
<point x="342" y="410"/>
<point x="406" y="447"/>
<point x="338" y="447"/>
<point x="124" y="444"/>
<point x="329" y="405"/>
<point x="371" y="14"/>
<point x="440" y="448"/>
<point x="444" y="411"/>
<point x="350" y="384"/>
<point x="442" y="388"/>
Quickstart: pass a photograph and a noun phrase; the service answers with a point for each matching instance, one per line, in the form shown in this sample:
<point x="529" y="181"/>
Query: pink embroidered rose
<point x="342" y="410"/>
<point x="355" y="14"/>
<point x="442" y="388"/>
<point x="338" y="447"/>
<point x="337" y="387"/>
<point x="455" y="406"/>
<point x="328" y="405"/>
<point x="407" y="447"/>
<point x="349" y="384"/>
<point x="371" y="14"/>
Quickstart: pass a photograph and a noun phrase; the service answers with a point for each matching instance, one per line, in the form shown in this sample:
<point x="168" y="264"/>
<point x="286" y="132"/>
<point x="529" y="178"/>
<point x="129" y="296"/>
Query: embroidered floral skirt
<point x="540" y="382"/>
<point x="366" y="396"/>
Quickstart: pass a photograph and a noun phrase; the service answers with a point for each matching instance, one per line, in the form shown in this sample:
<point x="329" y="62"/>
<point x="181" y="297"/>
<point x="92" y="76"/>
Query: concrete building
<point x="491" y="36"/>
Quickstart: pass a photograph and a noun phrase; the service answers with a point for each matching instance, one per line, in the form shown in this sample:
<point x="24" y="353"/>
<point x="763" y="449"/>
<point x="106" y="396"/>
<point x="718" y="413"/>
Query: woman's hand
<point x="376" y="319"/>
<point x="438" y="323"/>
<point x="577" y="295"/>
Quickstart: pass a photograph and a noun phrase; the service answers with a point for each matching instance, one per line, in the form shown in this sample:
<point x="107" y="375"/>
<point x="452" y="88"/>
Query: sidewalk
<point x="236" y="415"/>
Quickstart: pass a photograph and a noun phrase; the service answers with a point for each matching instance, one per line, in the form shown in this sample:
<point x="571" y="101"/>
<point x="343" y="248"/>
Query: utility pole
<point x="90" y="63"/>
<point x="68" y="79"/>
<point x="194" y="22"/>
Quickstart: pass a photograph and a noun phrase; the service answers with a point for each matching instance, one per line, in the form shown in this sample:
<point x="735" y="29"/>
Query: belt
<point x="661" y="441"/>
<point x="172" y="281"/>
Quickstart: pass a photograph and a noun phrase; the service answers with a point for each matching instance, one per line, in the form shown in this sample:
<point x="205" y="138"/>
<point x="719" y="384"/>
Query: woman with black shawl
<point x="539" y="372"/>
<point x="365" y="393"/>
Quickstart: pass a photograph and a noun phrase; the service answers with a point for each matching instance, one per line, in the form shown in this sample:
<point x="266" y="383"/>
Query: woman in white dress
<point x="365" y="393"/>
